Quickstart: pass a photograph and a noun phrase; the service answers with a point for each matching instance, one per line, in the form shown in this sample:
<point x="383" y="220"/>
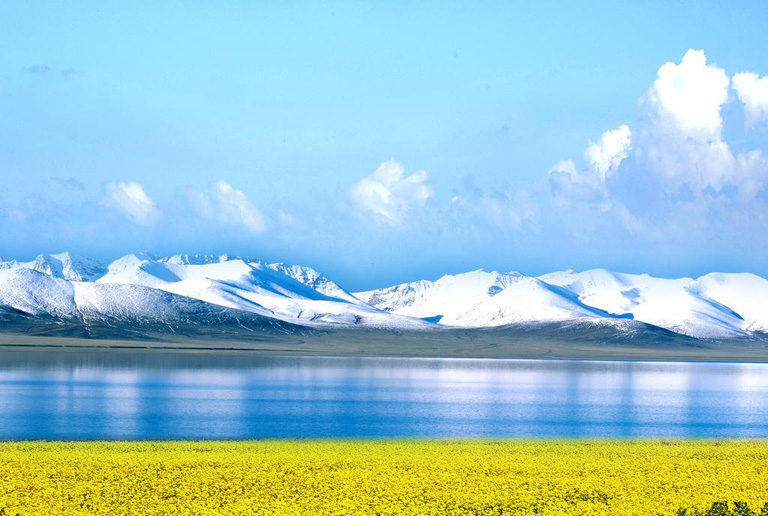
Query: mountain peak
<point x="61" y="265"/>
<point x="313" y="279"/>
<point x="197" y="259"/>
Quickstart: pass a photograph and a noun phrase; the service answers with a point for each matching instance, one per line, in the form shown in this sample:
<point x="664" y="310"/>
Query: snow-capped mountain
<point x="290" y="293"/>
<point x="62" y="265"/>
<point x="313" y="279"/>
<point x="482" y="298"/>
<point x="713" y="306"/>
<point x="222" y="289"/>
<point x="34" y="293"/>
<point x="141" y="287"/>
<point x="746" y="294"/>
<point x="710" y="306"/>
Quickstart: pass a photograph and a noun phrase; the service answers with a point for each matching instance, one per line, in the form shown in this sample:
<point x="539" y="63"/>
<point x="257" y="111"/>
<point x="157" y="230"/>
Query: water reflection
<point x="108" y="395"/>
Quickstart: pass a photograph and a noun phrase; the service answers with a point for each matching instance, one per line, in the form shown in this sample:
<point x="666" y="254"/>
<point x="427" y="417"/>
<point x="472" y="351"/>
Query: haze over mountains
<point x="182" y="291"/>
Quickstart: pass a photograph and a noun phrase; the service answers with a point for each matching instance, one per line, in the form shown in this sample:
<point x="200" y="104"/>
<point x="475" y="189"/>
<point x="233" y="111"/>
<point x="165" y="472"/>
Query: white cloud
<point x="228" y="206"/>
<point x="683" y="176"/>
<point x="566" y="182"/>
<point x="753" y="167"/>
<point x="389" y="193"/>
<point x="753" y="92"/>
<point x="683" y="143"/>
<point x="602" y="159"/>
<point x="605" y="156"/>
<point x="686" y="98"/>
<point x="131" y="199"/>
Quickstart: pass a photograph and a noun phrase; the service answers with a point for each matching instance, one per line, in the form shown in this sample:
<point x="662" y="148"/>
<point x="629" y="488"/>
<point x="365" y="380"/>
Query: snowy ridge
<point x="144" y="288"/>
<point x="479" y="298"/>
<point x="62" y="265"/>
<point x="290" y="293"/>
<point x="694" y="307"/>
<point x="313" y="279"/>
<point x="714" y="306"/>
<point x="746" y="294"/>
<point x="36" y="293"/>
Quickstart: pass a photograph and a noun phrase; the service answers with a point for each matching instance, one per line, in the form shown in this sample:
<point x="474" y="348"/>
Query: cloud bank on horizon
<point x="669" y="187"/>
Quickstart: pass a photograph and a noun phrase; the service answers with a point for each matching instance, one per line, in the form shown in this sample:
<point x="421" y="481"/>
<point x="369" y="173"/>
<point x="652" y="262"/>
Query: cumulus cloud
<point x="753" y="92"/>
<point x="130" y="199"/>
<point x="567" y="183"/>
<point x="686" y="98"/>
<point x="602" y="159"/>
<point x="677" y="176"/>
<point x="228" y="206"/>
<point x="390" y="194"/>
<point x="605" y="156"/>
<point x="684" y="144"/>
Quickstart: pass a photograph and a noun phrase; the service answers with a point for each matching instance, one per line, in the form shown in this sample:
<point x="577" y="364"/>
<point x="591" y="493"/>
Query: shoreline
<point x="381" y="345"/>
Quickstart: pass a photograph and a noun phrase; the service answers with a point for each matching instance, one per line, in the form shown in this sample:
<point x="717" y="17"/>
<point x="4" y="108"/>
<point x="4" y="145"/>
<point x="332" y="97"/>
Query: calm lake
<point x="112" y="395"/>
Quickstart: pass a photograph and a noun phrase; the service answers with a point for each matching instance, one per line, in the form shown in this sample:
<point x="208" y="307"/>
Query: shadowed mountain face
<point x="213" y="295"/>
<point x="178" y="317"/>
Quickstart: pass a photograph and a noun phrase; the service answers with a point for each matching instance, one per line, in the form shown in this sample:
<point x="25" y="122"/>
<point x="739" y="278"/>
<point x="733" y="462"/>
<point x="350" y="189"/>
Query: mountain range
<point x="213" y="293"/>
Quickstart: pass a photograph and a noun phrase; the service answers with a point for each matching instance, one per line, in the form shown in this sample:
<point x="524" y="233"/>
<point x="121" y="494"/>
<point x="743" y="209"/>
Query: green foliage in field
<point x="725" y="509"/>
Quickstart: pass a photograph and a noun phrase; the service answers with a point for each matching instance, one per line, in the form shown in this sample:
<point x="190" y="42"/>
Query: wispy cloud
<point x="132" y="201"/>
<point x="38" y="69"/>
<point x="70" y="72"/>
<point x="44" y="69"/>
<point x="69" y="182"/>
<point x="228" y="206"/>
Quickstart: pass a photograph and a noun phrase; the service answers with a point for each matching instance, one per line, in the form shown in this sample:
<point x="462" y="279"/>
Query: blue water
<point x="110" y="395"/>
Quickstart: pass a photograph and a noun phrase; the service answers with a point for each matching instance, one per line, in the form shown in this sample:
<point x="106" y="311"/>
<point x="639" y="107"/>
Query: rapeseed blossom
<point x="380" y="477"/>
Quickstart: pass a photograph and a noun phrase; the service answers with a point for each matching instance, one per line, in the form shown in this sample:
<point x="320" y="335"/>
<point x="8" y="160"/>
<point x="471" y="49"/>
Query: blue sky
<point x="385" y="142"/>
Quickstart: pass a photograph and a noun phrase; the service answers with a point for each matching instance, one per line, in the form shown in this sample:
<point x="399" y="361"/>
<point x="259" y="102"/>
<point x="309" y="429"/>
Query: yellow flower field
<point x="380" y="477"/>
